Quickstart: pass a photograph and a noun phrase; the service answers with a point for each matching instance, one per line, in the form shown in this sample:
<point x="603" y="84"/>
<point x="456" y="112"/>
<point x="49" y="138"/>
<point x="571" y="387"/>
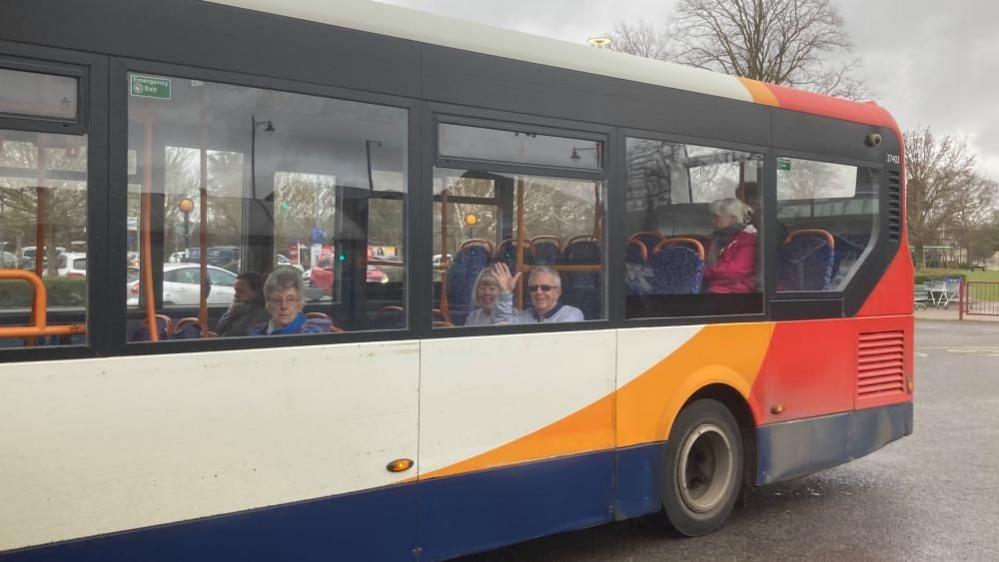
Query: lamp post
<point x="186" y="205"/>
<point x="268" y="126"/>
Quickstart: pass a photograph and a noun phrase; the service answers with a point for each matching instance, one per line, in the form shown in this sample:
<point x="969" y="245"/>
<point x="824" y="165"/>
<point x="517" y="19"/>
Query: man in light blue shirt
<point x="545" y="286"/>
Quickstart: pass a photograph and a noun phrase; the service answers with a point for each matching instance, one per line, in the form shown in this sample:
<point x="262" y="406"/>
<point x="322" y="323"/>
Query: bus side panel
<point x="132" y="442"/>
<point x="372" y="525"/>
<point x="491" y="508"/>
<point x="796" y="448"/>
<point x="516" y="437"/>
<point x="812" y="367"/>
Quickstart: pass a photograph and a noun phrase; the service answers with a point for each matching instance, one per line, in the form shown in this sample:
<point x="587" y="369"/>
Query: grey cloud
<point x="928" y="62"/>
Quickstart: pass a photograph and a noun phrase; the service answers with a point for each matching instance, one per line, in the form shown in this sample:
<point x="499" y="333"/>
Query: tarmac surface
<point x="931" y="496"/>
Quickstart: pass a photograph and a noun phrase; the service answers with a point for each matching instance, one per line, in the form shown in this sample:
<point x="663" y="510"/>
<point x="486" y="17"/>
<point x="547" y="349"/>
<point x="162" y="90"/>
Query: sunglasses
<point x="542" y="288"/>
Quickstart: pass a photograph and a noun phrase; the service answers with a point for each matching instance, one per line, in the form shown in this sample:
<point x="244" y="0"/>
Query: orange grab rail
<point x="698" y="247"/>
<point x="818" y="231"/>
<point x="39" y="324"/>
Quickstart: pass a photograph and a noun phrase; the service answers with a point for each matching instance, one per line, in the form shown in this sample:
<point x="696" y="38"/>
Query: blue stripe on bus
<point x="444" y="517"/>
<point x="796" y="448"/>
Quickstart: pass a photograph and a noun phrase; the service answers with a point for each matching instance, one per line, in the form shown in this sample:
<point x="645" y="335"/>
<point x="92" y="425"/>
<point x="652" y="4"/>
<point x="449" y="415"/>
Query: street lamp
<point x="186" y="205"/>
<point x="268" y="126"/>
<point x="471" y="219"/>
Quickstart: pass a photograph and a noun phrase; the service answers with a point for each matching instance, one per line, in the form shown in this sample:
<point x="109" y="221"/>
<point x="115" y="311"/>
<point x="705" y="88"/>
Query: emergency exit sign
<point x="149" y="87"/>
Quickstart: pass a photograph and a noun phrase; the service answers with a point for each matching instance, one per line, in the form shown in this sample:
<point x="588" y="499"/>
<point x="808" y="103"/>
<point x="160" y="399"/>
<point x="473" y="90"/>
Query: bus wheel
<point x="703" y="468"/>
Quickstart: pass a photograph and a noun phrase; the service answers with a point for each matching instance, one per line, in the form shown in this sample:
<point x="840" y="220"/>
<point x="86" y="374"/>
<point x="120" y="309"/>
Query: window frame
<point x="831" y="302"/>
<point x="91" y="72"/>
<point x="435" y="113"/>
<point x="767" y="261"/>
<point x="120" y="68"/>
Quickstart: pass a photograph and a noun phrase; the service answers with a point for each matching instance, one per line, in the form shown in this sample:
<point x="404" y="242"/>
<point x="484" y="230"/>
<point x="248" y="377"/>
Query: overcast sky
<point x="931" y="63"/>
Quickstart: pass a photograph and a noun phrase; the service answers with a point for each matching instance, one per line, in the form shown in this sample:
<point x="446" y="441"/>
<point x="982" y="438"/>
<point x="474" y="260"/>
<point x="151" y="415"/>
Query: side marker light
<point x="777" y="409"/>
<point x="399" y="465"/>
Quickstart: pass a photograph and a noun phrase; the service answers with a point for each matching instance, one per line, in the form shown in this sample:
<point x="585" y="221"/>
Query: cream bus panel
<point x="482" y="398"/>
<point x="136" y="441"/>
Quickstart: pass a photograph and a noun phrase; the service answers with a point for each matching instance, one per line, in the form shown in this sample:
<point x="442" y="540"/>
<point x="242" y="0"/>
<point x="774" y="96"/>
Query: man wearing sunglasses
<point x="545" y="288"/>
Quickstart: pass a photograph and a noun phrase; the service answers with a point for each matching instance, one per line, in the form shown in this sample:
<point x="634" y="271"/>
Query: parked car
<point x="73" y="265"/>
<point x="181" y="285"/>
<point x="976" y="267"/>
<point x="28" y="256"/>
<point x="8" y="260"/>
<point x="321" y="275"/>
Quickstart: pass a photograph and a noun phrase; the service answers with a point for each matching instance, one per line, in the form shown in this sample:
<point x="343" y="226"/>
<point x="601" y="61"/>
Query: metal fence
<point x="979" y="298"/>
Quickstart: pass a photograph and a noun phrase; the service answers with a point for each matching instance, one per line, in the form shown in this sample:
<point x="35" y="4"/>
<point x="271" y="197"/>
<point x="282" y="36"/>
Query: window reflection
<point x="235" y="182"/>
<point x="692" y="214"/>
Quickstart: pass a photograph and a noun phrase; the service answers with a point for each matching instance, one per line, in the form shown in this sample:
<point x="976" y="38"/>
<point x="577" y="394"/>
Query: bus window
<point x="692" y="218"/>
<point x="826" y="215"/>
<point x="526" y="223"/>
<point x="38" y="95"/>
<point x="43" y="210"/>
<point x="256" y="212"/>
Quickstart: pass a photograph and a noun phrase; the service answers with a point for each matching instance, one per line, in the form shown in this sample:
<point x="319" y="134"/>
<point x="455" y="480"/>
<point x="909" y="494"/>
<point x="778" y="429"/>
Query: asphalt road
<point x="931" y="496"/>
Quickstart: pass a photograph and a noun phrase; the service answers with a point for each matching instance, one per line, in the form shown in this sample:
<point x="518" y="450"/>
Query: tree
<point x="799" y="43"/>
<point x="943" y="191"/>
<point x="641" y="39"/>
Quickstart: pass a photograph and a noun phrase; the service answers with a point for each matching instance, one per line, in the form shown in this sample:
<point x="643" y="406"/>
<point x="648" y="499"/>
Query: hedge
<point x="60" y="290"/>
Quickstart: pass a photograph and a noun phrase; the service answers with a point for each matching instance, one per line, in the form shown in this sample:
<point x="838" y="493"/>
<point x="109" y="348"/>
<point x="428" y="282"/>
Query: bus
<point x="136" y="425"/>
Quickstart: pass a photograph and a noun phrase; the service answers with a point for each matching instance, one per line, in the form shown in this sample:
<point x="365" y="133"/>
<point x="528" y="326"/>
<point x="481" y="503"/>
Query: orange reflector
<point x="912" y="385"/>
<point x="777" y="409"/>
<point x="399" y="465"/>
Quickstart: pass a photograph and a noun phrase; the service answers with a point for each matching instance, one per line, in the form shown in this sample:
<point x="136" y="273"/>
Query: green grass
<point x="984" y="293"/>
<point x="969" y="275"/>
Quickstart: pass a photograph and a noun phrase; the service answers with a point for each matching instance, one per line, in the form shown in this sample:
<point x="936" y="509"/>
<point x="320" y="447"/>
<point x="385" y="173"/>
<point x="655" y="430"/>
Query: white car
<point x="181" y="285"/>
<point x="73" y="265"/>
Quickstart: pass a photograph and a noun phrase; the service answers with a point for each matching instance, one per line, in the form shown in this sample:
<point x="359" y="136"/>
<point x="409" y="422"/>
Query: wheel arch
<point x="739" y="407"/>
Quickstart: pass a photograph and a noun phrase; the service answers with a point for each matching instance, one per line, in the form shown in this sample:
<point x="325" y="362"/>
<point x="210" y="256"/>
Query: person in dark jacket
<point x="730" y="266"/>
<point x="247" y="308"/>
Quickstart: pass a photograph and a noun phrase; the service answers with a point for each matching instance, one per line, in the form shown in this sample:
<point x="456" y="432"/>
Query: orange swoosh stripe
<point x="646" y="406"/>
<point x="760" y="92"/>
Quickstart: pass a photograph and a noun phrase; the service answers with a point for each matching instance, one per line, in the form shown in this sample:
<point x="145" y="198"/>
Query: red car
<point x="321" y="275"/>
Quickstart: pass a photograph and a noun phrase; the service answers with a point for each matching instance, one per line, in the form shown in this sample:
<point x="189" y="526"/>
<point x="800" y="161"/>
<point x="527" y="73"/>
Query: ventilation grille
<point x="894" y="207"/>
<point x="880" y="364"/>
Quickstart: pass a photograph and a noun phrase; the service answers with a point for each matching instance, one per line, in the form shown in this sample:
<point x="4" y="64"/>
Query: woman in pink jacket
<point x="730" y="266"/>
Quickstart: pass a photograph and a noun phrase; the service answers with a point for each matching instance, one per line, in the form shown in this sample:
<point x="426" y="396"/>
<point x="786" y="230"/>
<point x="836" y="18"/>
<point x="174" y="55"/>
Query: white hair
<point x="732" y="207"/>
<point x="550" y="271"/>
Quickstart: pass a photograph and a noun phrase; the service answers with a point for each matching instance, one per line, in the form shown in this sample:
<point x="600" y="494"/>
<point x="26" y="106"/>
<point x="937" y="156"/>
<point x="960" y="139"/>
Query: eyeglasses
<point x="542" y="288"/>
<point x="290" y="301"/>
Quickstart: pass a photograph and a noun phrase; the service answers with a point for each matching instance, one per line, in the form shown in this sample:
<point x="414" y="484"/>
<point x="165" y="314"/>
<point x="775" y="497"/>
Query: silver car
<point x="182" y="285"/>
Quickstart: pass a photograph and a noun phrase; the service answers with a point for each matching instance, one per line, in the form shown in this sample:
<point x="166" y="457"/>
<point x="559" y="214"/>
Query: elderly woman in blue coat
<point x="283" y="295"/>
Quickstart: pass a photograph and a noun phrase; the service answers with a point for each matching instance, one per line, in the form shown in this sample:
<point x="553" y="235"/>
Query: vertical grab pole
<point x="520" y="241"/>
<point x="203" y="240"/>
<point x="147" y="235"/>
<point x="40" y="218"/>
<point x="445" y="262"/>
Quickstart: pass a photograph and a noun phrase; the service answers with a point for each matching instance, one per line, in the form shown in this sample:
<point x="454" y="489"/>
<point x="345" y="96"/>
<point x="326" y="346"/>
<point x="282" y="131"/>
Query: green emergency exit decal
<point x="784" y="164"/>
<point x="149" y="87"/>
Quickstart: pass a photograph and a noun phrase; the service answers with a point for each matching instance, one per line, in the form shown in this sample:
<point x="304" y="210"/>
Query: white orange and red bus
<point x="264" y="134"/>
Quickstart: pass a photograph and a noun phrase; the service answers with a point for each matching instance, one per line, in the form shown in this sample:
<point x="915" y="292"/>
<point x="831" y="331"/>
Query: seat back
<point x="506" y="252"/>
<point x="676" y="270"/>
<point x="546" y="250"/>
<point x="650" y="238"/>
<point x="464" y="268"/>
<point x="805" y="262"/>
<point x="583" y="289"/>
<point x="638" y="276"/>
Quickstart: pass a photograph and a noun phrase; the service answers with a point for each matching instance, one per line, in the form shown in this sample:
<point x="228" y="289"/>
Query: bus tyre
<point x="703" y="468"/>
